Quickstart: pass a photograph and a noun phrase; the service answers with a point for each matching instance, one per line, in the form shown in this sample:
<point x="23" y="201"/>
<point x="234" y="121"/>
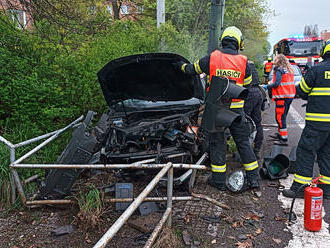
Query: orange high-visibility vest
<point x="230" y="66"/>
<point x="287" y="88"/>
<point x="268" y="66"/>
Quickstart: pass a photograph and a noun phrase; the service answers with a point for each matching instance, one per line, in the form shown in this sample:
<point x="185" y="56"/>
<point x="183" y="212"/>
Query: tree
<point x="116" y="8"/>
<point x="311" y="31"/>
<point x="192" y="16"/>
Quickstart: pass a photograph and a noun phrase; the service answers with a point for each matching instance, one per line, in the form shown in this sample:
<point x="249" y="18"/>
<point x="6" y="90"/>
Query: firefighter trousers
<point x="240" y="131"/>
<point x="252" y="107"/>
<point x="281" y="111"/>
<point x="312" y="143"/>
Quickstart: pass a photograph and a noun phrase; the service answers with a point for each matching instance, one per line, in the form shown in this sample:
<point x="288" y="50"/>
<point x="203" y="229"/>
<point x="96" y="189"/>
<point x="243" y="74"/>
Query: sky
<point x="292" y="16"/>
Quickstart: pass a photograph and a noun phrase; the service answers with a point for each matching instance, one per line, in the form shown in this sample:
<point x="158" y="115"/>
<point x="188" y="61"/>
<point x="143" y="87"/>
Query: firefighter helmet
<point x="235" y="33"/>
<point x="325" y="48"/>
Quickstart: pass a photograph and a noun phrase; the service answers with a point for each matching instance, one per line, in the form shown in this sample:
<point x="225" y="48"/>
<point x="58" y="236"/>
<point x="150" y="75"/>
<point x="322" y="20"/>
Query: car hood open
<point x="150" y="76"/>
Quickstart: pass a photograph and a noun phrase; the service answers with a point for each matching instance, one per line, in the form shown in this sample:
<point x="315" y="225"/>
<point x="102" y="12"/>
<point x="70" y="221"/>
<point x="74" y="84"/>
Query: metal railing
<point x="136" y="203"/>
<point x="145" y="164"/>
<point x="14" y="178"/>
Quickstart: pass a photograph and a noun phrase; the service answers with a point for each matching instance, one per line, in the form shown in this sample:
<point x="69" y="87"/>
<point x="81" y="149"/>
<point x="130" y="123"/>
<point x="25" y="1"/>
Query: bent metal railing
<point x="106" y="238"/>
<point x="166" y="168"/>
<point x="14" y="178"/>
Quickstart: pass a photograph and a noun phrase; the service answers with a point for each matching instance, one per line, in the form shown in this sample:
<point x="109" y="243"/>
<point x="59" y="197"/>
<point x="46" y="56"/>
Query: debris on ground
<point x="168" y="238"/>
<point x="257" y="194"/>
<point x="277" y="241"/>
<point x="242" y="237"/>
<point x="186" y="237"/>
<point x="209" y="199"/>
<point x="146" y="208"/>
<point x="62" y="230"/>
<point x="140" y="224"/>
<point x="141" y="239"/>
<point x="245" y="244"/>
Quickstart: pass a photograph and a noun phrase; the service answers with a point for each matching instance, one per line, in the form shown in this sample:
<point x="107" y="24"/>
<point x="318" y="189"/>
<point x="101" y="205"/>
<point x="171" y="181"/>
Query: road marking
<point x="301" y="237"/>
<point x="297" y="117"/>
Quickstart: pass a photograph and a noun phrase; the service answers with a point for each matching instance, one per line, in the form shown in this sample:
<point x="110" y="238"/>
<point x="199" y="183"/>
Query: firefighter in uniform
<point x="253" y="106"/>
<point x="268" y="68"/>
<point x="229" y="63"/>
<point x="283" y="92"/>
<point x="315" y="138"/>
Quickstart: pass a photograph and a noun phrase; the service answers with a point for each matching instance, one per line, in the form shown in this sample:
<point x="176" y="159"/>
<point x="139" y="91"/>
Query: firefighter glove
<point x="179" y="66"/>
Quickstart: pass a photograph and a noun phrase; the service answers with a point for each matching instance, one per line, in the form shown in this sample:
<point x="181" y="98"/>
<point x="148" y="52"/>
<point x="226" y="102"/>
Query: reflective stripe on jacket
<point x="268" y="67"/>
<point x="230" y="66"/>
<point x="316" y="84"/>
<point x="286" y="89"/>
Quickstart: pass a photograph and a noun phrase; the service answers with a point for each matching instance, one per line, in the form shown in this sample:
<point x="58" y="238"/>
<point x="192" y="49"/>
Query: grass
<point x="90" y="208"/>
<point x="91" y="201"/>
<point x="232" y="145"/>
<point x="47" y="154"/>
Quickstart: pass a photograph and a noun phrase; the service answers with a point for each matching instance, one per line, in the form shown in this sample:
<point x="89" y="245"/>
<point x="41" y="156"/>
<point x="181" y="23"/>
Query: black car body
<point x="152" y="114"/>
<point x="151" y="107"/>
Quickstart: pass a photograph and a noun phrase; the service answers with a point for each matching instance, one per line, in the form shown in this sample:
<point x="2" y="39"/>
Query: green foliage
<point x="4" y="176"/>
<point x="192" y="17"/>
<point x="91" y="200"/>
<point x="231" y="145"/>
<point x="90" y="208"/>
<point x="250" y="16"/>
<point x="48" y="77"/>
<point x="44" y="84"/>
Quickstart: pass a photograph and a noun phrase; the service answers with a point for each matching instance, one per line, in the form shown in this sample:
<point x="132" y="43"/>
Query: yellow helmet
<point x="234" y="32"/>
<point x="269" y="59"/>
<point x="325" y="48"/>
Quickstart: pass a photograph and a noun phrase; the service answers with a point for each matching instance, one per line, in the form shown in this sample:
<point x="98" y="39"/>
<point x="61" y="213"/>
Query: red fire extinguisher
<point x="313" y="207"/>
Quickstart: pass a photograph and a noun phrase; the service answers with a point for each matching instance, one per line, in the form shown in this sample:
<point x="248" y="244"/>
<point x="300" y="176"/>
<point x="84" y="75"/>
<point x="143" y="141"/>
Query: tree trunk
<point x="115" y="8"/>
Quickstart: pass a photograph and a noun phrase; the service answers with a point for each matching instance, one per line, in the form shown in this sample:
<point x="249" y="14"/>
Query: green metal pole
<point x="216" y="23"/>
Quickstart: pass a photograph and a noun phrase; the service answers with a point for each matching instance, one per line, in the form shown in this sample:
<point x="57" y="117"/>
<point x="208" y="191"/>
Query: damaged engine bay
<point x="158" y="134"/>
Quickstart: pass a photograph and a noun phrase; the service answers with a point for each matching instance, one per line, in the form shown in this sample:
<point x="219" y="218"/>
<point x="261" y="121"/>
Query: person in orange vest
<point x="227" y="62"/>
<point x="283" y="92"/>
<point x="268" y="68"/>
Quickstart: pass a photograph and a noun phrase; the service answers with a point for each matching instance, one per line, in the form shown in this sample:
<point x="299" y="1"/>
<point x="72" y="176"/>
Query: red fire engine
<point x="300" y="50"/>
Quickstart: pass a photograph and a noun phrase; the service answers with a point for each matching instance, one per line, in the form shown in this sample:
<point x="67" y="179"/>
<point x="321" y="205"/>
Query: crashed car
<point x="152" y="114"/>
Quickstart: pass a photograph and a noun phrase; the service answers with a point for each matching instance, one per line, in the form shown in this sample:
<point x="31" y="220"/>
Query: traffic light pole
<point x="216" y="23"/>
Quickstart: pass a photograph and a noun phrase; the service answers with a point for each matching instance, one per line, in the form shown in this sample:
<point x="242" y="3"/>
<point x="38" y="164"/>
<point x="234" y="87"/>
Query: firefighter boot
<point x="252" y="179"/>
<point x="326" y="190"/>
<point x="217" y="180"/>
<point x="290" y="193"/>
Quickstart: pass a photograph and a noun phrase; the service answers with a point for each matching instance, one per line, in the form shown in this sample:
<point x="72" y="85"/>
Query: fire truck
<point x="301" y="51"/>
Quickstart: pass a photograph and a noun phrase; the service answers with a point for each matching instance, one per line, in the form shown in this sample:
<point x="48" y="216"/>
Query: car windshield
<point x="142" y="104"/>
<point x="303" y="47"/>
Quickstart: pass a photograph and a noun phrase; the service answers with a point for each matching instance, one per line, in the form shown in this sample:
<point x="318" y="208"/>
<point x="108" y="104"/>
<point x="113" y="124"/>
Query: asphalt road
<point x="295" y="121"/>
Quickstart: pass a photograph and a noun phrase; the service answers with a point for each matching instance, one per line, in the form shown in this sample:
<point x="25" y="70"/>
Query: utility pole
<point x="160" y="12"/>
<point x="216" y="23"/>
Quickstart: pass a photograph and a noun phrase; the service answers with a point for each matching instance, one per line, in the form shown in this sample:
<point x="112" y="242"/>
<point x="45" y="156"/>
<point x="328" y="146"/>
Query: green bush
<point x="47" y="80"/>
